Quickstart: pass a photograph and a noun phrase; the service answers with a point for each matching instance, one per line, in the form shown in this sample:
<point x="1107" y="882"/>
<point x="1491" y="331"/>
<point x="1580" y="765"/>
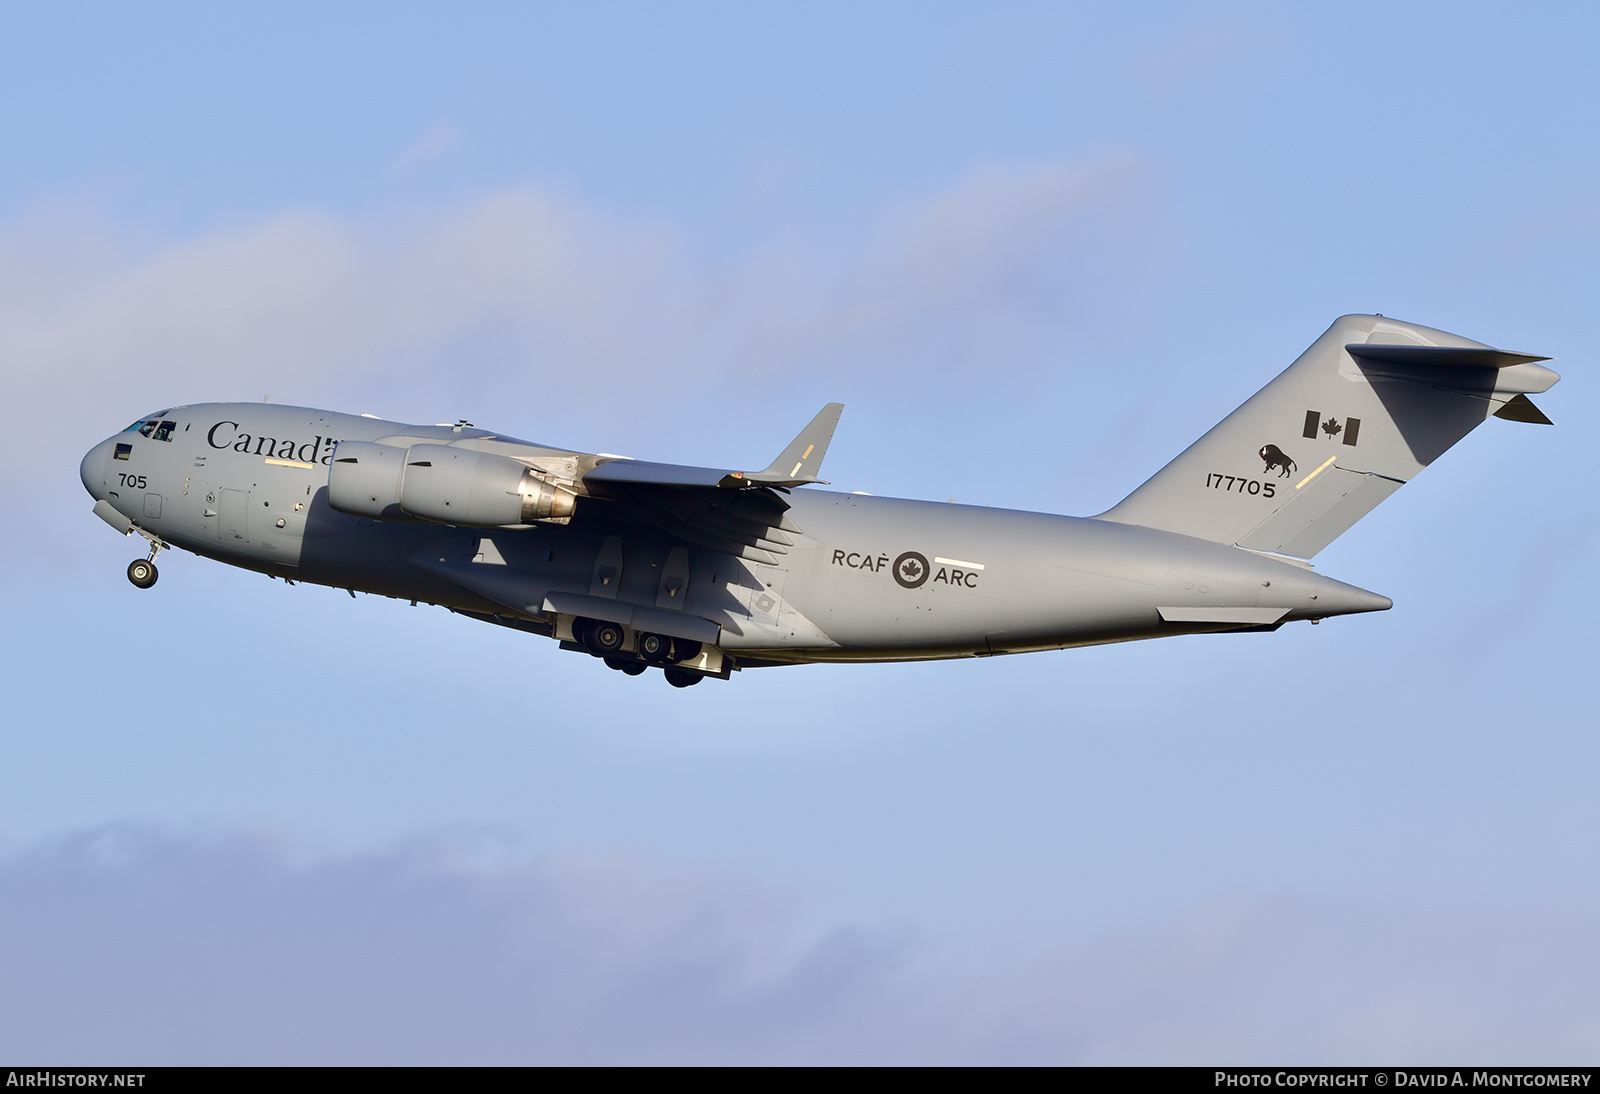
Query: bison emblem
<point x="1273" y="456"/>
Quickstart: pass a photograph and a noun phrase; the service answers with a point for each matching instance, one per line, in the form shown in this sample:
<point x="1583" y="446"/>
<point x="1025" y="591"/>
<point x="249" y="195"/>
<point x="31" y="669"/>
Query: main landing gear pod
<point x="608" y="641"/>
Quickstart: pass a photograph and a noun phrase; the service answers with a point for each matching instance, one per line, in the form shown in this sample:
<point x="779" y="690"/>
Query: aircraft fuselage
<point x="860" y="578"/>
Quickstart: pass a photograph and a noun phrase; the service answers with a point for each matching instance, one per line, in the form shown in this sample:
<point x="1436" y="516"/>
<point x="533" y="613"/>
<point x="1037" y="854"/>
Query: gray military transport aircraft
<point x="704" y="571"/>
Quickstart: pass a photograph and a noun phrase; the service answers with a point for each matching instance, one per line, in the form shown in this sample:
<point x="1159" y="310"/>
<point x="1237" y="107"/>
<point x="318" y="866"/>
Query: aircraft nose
<point x="93" y="469"/>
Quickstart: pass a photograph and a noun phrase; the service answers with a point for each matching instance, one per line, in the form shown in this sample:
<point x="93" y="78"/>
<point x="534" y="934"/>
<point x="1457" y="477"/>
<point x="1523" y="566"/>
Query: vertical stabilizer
<point x="1371" y="403"/>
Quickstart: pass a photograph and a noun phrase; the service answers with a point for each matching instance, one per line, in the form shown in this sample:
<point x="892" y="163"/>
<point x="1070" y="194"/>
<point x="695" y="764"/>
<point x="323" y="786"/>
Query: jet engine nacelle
<point x="364" y="479"/>
<point x="440" y="483"/>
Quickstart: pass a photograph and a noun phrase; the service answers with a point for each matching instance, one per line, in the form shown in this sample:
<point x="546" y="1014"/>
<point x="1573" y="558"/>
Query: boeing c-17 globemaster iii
<point x="706" y="571"/>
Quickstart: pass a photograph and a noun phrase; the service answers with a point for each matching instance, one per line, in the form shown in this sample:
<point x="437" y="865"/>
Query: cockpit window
<point x="153" y="427"/>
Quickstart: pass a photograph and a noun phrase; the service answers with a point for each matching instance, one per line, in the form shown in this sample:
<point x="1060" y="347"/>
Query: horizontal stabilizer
<point x="1474" y="370"/>
<point x="1441" y="356"/>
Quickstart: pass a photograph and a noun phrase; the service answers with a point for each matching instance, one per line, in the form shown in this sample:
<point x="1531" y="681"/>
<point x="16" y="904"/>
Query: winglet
<point x="802" y="460"/>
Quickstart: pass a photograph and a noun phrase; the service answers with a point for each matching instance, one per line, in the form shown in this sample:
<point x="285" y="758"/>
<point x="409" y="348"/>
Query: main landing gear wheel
<point x="602" y="638"/>
<point x="681" y="678"/>
<point x="142" y="572"/>
<point x="655" y="648"/>
<point x="658" y="649"/>
<point x="626" y="664"/>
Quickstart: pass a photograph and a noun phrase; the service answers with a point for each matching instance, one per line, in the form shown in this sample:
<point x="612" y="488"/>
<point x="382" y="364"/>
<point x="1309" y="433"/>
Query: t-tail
<point x="1371" y="403"/>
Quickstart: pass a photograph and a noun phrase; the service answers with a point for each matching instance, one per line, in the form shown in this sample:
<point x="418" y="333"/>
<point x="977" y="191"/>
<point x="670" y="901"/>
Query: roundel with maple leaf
<point x="911" y="569"/>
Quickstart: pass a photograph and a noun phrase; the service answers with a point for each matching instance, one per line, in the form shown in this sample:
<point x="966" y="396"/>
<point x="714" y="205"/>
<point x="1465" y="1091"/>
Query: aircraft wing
<point x="625" y="472"/>
<point x="742" y="513"/>
<point x="797" y="465"/>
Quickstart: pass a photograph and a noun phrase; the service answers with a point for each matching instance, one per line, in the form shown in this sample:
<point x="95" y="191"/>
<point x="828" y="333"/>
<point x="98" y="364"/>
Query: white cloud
<point x="141" y="948"/>
<point x="124" y="945"/>
<point x="526" y="294"/>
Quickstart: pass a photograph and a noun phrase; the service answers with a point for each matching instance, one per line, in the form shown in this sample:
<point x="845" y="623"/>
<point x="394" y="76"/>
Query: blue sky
<point x="1036" y="250"/>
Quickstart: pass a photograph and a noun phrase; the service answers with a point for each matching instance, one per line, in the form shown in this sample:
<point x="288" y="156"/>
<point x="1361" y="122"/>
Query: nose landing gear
<point x="142" y="571"/>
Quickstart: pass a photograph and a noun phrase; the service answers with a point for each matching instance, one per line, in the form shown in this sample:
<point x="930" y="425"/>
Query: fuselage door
<point x="233" y="507"/>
